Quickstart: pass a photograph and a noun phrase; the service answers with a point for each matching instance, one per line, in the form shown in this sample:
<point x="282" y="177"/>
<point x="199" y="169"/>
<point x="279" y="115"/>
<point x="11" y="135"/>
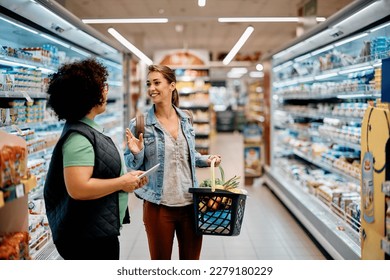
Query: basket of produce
<point x="219" y="205"/>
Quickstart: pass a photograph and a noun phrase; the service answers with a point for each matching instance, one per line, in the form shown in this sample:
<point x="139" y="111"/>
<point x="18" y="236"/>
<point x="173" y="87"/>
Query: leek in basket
<point x="231" y="185"/>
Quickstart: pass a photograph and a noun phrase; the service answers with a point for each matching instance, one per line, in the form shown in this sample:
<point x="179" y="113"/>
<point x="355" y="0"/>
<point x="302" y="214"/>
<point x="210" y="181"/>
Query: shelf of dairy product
<point x="29" y="54"/>
<point x="255" y="106"/>
<point x="193" y="86"/>
<point x="321" y="88"/>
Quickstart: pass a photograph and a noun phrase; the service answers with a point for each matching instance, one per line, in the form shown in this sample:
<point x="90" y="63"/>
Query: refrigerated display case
<point x="321" y="85"/>
<point x="36" y="38"/>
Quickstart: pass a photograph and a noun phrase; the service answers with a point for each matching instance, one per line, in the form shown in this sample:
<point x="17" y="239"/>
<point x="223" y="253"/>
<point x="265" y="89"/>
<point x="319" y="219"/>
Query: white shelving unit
<point x="193" y="86"/>
<point x="36" y="38"/>
<point x="321" y="83"/>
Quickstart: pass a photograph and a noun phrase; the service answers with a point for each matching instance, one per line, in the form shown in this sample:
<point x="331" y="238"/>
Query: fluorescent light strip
<point x="248" y="31"/>
<point x="130" y="46"/>
<point x="46" y="70"/>
<point x="347" y="96"/>
<point x="264" y="19"/>
<point x="357" y="15"/>
<point x="380" y="27"/>
<point x="201" y="3"/>
<point x="256" y="74"/>
<point x="305" y="79"/>
<point x="258" y="19"/>
<point x="327" y="48"/>
<point x="303" y="57"/>
<point x="19" y="25"/>
<point x="124" y="20"/>
<point x="240" y="70"/>
<point x="11" y="63"/>
<point x="55" y="40"/>
<point x="355" y="70"/>
<point x="325" y="76"/>
<point x="350" y="39"/>
<point x="80" y="52"/>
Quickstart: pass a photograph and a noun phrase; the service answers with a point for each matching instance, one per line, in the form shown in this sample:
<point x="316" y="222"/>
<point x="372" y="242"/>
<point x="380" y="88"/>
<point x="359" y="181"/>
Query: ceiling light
<point x="259" y="67"/>
<point x="179" y="28"/>
<point x="259" y="19"/>
<point x="256" y="74"/>
<point x="240" y="70"/>
<point x="248" y="31"/>
<point x="264" y="19"/>
<point x="124" y="20"/>
<point x="201" y="3"/>
<point x="130" y="46"/>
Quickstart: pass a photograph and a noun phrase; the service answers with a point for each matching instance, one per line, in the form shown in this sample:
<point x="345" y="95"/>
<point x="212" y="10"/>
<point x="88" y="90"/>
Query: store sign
<point x="385" y="80"/>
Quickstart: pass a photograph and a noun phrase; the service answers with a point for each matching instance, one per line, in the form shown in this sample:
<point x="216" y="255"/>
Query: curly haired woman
<point x="87" y="185"/>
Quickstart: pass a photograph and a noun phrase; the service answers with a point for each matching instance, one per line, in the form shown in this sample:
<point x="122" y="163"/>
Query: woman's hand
<point x="132" y="182"/>
<point x="135" y="145"/>
<point x="217" y="158"/>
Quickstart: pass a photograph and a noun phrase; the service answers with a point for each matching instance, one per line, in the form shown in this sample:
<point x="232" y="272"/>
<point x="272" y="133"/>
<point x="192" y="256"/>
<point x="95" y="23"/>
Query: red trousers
<point x="161" y="224"/>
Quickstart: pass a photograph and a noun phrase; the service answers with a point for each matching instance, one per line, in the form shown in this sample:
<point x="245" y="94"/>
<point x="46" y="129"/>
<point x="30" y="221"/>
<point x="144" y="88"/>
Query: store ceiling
<point x="201" y="30"/>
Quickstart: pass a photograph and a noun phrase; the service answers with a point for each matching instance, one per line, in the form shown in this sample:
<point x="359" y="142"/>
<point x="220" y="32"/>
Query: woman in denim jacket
<point x="168" y="139"/>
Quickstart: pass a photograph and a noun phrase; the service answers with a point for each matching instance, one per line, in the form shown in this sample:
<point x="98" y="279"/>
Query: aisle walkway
<point x="269" y="232"/>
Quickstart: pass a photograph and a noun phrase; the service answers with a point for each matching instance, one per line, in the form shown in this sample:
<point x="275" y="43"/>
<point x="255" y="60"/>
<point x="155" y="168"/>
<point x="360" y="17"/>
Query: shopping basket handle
<point x="212" y="165"/>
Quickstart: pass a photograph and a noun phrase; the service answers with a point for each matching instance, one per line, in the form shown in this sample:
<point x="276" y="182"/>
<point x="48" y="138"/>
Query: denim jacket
<point x="154" y="152"/>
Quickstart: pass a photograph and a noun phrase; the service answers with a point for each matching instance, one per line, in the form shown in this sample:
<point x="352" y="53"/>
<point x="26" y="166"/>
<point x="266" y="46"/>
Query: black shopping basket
<point x="218" y="212"/>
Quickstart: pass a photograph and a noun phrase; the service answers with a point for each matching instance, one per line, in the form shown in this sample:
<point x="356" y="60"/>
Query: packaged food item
<point x="14" y="246"/>
<point x="13" y="159"/>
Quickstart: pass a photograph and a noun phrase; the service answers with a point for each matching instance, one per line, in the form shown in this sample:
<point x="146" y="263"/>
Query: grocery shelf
<point x="327" y="167"/>
<point x="326" y="227"/>
<point x="13" y="192"/>
<point x="22" y="94"/>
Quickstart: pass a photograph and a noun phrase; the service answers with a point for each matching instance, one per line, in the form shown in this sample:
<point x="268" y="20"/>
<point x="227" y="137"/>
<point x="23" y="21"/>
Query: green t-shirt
<point x="78" y="151"/>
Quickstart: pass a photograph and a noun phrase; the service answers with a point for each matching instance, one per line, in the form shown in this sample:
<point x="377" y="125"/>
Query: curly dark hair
<point x="76" y="88"/>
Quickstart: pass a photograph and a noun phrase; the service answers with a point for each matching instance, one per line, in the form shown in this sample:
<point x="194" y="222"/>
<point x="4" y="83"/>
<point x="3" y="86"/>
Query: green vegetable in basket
<point x="229" y="185"/>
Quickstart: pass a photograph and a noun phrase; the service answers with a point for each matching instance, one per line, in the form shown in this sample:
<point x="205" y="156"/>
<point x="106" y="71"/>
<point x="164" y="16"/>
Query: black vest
<point x="69" y="218"/>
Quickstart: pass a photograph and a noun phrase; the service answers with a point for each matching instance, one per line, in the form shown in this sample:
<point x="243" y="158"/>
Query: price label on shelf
<point x="19" y="189"/>
<point x="385" y="245"/>
<point x="386" y="187"/>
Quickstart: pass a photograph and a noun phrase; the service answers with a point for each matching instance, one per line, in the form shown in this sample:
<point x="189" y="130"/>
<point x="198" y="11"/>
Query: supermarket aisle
<point x="268" y="231"/>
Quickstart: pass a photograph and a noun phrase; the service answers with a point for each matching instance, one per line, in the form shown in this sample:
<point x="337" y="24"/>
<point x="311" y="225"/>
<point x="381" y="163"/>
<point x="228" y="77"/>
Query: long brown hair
<point x="170" y="76"/>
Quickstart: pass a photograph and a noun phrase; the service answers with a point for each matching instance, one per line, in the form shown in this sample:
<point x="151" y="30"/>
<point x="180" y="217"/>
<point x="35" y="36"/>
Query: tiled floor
<point x="269" y="232"/>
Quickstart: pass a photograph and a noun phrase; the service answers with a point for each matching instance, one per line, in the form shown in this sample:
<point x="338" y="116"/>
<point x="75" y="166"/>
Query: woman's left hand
<point x="217" y="158"/>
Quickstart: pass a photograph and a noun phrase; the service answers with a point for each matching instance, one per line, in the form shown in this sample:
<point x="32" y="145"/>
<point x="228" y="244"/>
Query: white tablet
<point x="149" y="171"/>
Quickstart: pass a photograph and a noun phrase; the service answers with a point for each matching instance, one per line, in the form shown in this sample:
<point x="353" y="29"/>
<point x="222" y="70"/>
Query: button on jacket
<point x="153" y="153"/>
